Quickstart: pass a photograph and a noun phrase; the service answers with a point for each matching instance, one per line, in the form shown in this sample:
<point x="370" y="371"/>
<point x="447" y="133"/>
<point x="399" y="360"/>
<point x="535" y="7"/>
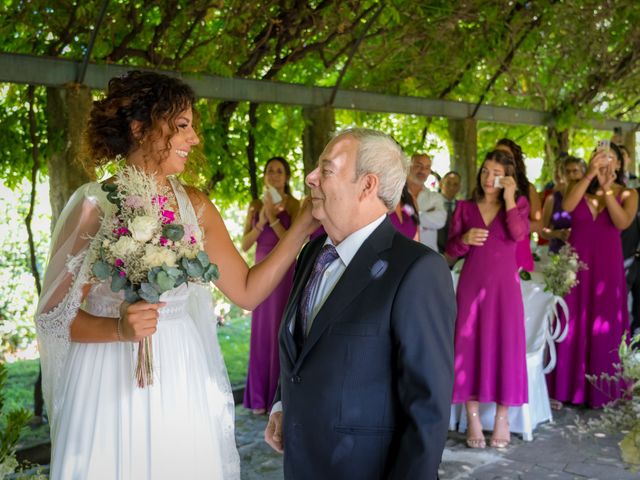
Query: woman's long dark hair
<point x="595" y="185"/>
<point x="509" y="164"/>
<point x="287" y="171"/>
<point x="521" y="169"/>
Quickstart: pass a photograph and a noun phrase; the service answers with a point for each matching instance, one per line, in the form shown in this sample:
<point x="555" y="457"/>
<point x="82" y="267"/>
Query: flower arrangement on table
<point x="144" y="250"/>
<point x="561" y="273"/>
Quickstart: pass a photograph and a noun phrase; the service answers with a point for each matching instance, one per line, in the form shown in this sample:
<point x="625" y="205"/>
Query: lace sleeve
<point x="66" y="274"/>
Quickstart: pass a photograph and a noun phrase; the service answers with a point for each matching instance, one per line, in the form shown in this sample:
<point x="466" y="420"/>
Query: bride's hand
<point x="138" y="320"/>
<point x="305" y="219"/>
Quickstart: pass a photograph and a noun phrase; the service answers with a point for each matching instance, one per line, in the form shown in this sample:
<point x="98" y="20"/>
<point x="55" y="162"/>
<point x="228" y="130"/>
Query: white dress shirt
<point x="346" y="249"/>
<point x="433" y="216"/>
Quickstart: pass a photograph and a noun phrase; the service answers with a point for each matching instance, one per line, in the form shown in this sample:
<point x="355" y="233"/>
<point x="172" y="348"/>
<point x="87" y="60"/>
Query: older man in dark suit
<point x="366" y="343"/>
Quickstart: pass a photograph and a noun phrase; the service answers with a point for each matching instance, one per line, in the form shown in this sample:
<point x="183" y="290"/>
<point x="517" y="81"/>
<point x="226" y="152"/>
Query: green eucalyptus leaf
<point x="173" y="272"/>
<point x="130" y="294"/>
<point x="193" y="268"/>
<point x="101" y="270"/>
<point x="211" y="274"/>
<point x="164" y="281"/>
<point x="173" y="232"/>
<point x="117" y="282"/>
<point x="203" y="258"/>
<point x="148" y="293"/>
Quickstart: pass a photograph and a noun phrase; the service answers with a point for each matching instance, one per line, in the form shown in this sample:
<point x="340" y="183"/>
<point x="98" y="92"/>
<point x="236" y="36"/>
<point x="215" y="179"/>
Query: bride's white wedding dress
<point x="102" y="425"/>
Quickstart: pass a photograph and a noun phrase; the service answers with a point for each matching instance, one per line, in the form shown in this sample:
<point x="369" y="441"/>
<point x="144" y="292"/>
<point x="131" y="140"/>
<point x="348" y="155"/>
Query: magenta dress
<point x="598" y="315"/>
<point x="264" y="363"/>
<point x="489" y="345"/>
<point x="407" y="226"/>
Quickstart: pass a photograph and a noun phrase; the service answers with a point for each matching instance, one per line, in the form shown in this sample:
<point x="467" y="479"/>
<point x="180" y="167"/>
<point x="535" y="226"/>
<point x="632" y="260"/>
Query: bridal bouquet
<point x="145" y="251"/>
<point x="561" y="273"/>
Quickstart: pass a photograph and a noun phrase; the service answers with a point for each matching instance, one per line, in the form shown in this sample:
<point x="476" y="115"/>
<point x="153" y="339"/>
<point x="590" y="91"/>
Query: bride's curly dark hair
<point x="149" y="98"/>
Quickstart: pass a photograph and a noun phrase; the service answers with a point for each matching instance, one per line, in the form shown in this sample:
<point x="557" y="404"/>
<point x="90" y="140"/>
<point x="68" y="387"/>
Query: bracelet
<point x="274" y="223"/>
<point x="119" y="329"/>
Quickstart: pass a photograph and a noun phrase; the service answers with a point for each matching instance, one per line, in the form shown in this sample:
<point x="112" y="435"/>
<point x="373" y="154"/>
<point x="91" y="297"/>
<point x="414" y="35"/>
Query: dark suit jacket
<point x="369" y="395"/>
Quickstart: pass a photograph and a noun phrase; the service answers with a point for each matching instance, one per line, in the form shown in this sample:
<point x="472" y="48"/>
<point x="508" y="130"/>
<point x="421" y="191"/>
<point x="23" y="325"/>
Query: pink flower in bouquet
<point x="118" y="232"/>
<point x="168" y="216"/>
<point x="164" y="241"/>
<point x="159" y="200"/>
<point x="134" y="201"/>
<point x="119" y="262"/>
<point x="122" y="273"/>
<point x="192" y="233"/>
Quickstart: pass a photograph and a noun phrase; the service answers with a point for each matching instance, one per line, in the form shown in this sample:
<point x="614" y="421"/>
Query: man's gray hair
<point x="379" y="154"/>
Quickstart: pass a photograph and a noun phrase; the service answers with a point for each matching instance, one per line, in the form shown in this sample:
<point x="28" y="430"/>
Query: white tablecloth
<point x="543" y="327"/>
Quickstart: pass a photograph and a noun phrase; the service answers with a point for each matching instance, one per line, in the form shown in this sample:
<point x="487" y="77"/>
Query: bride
<point x="102" y="425"/>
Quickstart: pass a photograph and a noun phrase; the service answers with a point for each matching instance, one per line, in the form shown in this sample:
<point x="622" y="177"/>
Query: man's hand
<point x="273" y="432"/>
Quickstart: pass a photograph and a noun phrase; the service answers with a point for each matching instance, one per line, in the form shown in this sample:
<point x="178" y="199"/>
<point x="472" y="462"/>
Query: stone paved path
<point x="557" y="452"/>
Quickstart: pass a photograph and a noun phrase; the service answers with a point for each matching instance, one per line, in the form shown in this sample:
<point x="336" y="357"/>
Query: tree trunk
<point x="463" y="135"/>
<point x="556" y="144"/>
<point x="630" y="143"/>
<point x="67" y="113"/>
<point x="251" y="150"/>
<point x="319" y="125"/>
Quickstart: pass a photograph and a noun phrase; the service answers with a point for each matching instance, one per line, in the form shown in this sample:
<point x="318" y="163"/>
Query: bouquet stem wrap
<point x="144" y="367"/>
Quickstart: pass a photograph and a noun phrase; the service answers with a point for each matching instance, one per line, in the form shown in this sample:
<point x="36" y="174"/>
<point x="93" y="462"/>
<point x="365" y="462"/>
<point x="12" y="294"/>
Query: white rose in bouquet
<point x="124" y="246"/>
<point x="571" y="277"/>
<point x="143" y="227"/>
<point x="156" y="256"/>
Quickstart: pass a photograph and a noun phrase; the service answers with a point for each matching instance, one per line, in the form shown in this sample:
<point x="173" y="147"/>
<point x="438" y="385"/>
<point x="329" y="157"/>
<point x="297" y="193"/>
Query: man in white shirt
<point x="366" y="351"/>
<point x="430" y="204"/>
<point x="449" y="188"/>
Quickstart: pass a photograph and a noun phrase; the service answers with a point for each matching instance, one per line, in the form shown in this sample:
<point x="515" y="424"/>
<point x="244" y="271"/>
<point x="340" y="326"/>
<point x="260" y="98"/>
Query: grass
<point x="234" y="343"/>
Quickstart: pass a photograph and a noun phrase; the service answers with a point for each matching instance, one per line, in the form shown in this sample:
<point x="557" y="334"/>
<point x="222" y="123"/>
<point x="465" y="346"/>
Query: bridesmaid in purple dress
<point x="598" y="317"/>
<point x="490" y="352"/>
<point x="405" y="217"/>
<point x="266" y="223"/>
<point x="524" y="257"/>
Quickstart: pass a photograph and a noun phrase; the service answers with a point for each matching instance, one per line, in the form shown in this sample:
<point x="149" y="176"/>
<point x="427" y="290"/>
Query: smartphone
<point x="275" y="196"/>
<point x="497" y="182"/>
<point x="604" y="146"/>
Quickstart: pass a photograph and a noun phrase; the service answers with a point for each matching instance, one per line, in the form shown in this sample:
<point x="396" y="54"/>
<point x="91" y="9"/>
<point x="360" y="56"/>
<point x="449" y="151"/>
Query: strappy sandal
<point x="475" y="442"/>
<point x="500" y="442"/>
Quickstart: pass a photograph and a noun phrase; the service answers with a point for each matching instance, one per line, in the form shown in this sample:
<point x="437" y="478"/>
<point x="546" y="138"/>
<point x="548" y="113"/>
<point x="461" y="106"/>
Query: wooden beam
<point x="27" y="69"/>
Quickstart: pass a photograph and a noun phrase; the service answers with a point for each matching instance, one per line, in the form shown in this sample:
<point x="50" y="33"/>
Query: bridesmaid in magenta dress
<point x="598" y="317"/>
<point x="490" y="352"/>
<point x="524" y="257"/>
<point x="267" y="221"/>
<point x="405" y="217"/>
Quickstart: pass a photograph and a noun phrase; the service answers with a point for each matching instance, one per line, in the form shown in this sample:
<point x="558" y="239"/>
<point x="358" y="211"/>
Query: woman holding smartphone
<point x="600" y="207"/>
<point x="490" y="352"/>
<point x="267" y="221"/>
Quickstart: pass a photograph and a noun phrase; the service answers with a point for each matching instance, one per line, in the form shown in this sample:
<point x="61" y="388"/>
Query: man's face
<point x="450" y="186"/>
<point x="573" y="172"/>
<point x="335" y="191"/>
<point x="420" y="168"/>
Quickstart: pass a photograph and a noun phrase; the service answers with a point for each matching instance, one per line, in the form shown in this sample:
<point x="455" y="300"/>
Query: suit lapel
<point x="360" y="272"/>
<point x="305" y="265"/>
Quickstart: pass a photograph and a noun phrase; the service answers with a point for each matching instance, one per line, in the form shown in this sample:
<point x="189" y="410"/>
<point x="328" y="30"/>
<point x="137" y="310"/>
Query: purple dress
<point x="264" y="363"/>
<point x="407" y="226"/>
<point x="490" y="349"/>
<point x="560" y="220"/>
<point x="598" y="315"/>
